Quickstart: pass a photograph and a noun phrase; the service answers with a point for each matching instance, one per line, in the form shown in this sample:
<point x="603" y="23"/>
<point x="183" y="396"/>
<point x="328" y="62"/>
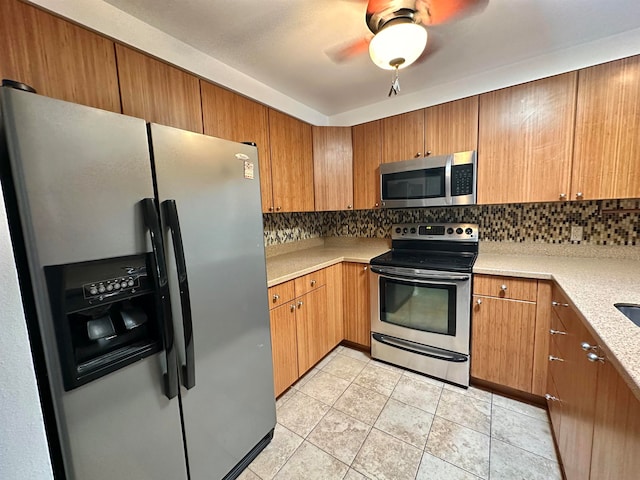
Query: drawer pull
<point x="313" y="283"/>
<point x="555" y="359"/>
<point x="479" y="301"/>
<point x="365" y="268"/>
<point x="593" y="357"/>
<point x="300" y="303"/>
<point x="558" y="304"/>
<point x="586" y="347"/>
<point x="556" y="332"/>
<point x="503" y="287"/>
<point x="276" y="297"/>
<point x="551" y="398"/>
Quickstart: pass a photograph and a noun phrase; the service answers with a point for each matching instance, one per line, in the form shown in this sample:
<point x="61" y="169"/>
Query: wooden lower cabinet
<point x="357" y="316"/>
<point x="502" y="341"/>
<point x="335" y="317"/>
<point x="284" y="347"/>
<point x="312" y="328"/>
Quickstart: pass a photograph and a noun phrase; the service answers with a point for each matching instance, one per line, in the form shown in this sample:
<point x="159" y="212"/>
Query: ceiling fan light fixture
<point x="398" y="44"/>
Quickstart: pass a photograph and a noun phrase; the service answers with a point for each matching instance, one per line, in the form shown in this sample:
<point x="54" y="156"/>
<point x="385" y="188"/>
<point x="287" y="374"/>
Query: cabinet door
<point x="403" y="136"/>
<point x="332" y="168"/>
<point x="291" y="163"/>
<point x="502" y="341"/>
<point x="158" y="92"/>
<point x="357" y="316"/>
<point x="525" y="141"/>
<point x="616" y="434"/>
<point x="57" y="58"/>
<point x="451" y="127"/>
<point x="367" y="145"/>
<point x="228" y="115"/>
<point x="312" y="328"/>
<point x="606" y="162"/>
<point x="284" y="346"/>
<point x="334" y="305"/>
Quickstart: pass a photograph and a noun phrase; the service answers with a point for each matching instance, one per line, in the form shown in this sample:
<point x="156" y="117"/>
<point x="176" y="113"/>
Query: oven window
<point x="430" y="308"/>
<point x="425" y="183"/>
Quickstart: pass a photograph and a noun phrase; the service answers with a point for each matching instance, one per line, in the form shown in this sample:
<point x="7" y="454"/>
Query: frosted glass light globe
<point x="396" y="42"/>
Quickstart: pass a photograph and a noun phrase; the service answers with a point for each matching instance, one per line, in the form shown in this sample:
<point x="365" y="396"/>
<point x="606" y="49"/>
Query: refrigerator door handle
<point x="170" y="212"/>
<point x="152" y="223"/>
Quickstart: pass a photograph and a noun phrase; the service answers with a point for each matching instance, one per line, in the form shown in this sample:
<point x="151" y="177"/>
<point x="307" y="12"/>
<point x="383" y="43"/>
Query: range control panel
<point x="463" y="232"/>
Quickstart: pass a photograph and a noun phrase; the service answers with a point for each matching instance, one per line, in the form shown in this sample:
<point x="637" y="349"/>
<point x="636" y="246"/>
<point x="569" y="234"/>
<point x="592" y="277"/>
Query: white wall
<point x="23" y="444"/>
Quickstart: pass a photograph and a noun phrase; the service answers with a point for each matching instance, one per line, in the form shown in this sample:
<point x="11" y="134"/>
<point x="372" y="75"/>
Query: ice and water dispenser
<point x="105" y="314"/>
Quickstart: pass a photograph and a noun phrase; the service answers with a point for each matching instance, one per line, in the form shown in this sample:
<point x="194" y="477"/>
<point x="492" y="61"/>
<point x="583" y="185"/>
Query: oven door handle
<point x="418" y="279"/>
<point x="427" y="351"/>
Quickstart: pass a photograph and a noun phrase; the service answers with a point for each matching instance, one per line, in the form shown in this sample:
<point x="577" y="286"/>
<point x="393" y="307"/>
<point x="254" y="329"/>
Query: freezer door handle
<point x="152" y="223"/>
<point x="170" y="211"/>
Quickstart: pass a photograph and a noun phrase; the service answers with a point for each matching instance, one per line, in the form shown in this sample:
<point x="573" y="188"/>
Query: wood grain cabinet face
<point x="284" y="346"/>
<point x="291" y="163"/>
<point x="357" y="316"/>
<point x="158" y="92"/>
<point x="606" y="162"/>
<point x="403" y="136"/>
<point x="57" y="58"/>
<point x="367" y="145"/>
<point x="312" y="328"/>
<point x="233" y="117"/>
<point x="502" y="341"/>
<point x="525" y="141"/>
<point x="332" y="168"/>
<point x="451" y="127"/>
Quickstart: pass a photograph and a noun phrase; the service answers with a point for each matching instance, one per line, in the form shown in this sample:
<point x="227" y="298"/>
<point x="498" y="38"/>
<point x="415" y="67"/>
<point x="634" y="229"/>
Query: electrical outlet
<point x="345" y="229"/>
<point x="576" y="233"/>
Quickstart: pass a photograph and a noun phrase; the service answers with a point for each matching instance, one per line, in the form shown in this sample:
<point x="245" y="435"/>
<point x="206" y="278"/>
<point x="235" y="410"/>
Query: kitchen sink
<point x="631" y="311"/>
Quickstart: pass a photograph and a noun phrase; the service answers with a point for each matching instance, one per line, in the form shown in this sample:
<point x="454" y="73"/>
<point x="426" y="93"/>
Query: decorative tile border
<point x="529" y="222"/>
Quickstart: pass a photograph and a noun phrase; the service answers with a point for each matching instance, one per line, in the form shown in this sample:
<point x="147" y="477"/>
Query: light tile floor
<point x="352" y="417"/>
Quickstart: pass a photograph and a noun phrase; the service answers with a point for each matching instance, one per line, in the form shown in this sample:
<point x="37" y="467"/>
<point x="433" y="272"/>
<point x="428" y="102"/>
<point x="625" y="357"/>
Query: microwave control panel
<point x="462" y="180"/>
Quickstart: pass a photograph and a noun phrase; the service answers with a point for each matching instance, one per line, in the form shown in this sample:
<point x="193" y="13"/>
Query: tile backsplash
<point x="604" y="222"/>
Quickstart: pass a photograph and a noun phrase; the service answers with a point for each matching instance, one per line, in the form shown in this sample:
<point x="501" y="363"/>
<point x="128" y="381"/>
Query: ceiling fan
<point x="399" y="37"/>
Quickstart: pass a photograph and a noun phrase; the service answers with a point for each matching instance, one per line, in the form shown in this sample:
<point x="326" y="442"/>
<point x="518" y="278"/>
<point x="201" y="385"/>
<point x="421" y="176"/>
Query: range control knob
<point x="459" y="231"/>
<point x="405" y="230"/>
<point x="449" y="231"/>
<point x="468" y="231"/>
<point x="398" y="229"/>
<point x="413" y="229"/>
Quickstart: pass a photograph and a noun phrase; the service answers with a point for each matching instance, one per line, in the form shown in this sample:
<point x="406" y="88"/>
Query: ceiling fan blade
<point x="349" y="50"/>
<point x="437" y="12"/>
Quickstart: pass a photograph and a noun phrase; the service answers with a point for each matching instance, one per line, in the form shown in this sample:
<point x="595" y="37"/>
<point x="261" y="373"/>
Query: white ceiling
<point x="283" y="44"/>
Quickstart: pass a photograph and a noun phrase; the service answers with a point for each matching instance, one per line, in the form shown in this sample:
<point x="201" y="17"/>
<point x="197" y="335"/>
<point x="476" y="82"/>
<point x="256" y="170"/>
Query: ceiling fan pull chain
<point x="395" y="83"/>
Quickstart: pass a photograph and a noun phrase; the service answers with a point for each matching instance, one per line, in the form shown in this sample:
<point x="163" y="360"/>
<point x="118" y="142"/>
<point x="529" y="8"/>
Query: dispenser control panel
<point x="103" y="288"/>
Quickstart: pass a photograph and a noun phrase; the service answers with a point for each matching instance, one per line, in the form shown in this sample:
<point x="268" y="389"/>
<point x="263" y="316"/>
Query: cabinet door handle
<point x="593" y="357"/>
<point x="563" y="196"/>
<point x="555" y="359"/>
<point x="419" y="154"/>
<point x="586" y="347"/>
<point x="377" y="205"/>
<point x="427" y="153"/>
<point x="365" y="268"/>
<point x="479" y="301"/>
<point x="503" y="287"/>
<point x="278" y="209"/>
<point x="271" y="209"/>
<point x="292" y="307"/>
<point x="300" y="303"/>
<point x="551" y="398"/>
<point x="556" y="332"/>
<point x="313" y="283"/>
<point x="276" y="297"/>
<point x="349" y="207"/>
<point x="558" y="304"/>
<point x="579" y="195"/>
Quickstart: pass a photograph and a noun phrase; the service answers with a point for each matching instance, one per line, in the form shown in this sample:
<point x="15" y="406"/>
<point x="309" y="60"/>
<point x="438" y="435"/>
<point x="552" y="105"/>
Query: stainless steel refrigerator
<point x="141" y="260"/>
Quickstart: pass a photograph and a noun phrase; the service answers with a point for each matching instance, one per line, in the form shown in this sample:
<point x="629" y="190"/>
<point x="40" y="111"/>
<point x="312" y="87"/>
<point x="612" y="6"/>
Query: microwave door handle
<point x="447" y="180"/>
<point x="170" y="211"/>
<point x="152" y="224"/>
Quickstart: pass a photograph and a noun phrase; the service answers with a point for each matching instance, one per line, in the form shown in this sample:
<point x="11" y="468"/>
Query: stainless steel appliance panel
<point x="79" y="173"/>
<point x="216" y="189"/>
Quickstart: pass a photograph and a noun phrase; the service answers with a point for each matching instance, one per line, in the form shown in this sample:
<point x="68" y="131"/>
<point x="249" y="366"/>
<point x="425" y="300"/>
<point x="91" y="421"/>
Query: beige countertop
<point x="593" y="285"/>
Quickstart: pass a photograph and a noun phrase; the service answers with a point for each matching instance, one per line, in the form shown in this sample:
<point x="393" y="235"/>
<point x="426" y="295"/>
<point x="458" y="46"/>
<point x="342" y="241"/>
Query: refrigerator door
<point x="229" y="407"/>
<point x="79" y="175"/>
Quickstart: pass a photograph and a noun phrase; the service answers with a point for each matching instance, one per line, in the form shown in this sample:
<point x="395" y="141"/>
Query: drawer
<point x="283" y="293"/>
<point x="310" y="282"/>
<point x="505" y="287"/>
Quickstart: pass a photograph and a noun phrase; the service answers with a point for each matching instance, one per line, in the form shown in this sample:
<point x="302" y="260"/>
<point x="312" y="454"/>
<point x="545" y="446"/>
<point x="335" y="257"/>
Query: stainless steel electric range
<point x="421" y="299"/>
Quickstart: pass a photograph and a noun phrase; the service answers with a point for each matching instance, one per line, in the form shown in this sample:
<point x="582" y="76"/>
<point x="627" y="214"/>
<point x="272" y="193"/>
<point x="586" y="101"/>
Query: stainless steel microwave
<point x="430" y="182"/>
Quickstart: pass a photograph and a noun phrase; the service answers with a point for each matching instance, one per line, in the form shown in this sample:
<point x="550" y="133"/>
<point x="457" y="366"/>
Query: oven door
<point x="430" y="308"/>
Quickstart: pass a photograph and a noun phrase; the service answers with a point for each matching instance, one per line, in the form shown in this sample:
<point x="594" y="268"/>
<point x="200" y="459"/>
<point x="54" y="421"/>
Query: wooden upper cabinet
<point x="451" y="127"/>
<point x="403" y="136"/>
<point x="291" y="163"/>
<point x="332" y="168"/>
<point x="231" y="116"/>
<point x="57" y="58"/>
<point x="606" y="162"/>
<point x="367" y="146"/>
<point x="525" y="141"/>
<point x="158" y="92"/>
